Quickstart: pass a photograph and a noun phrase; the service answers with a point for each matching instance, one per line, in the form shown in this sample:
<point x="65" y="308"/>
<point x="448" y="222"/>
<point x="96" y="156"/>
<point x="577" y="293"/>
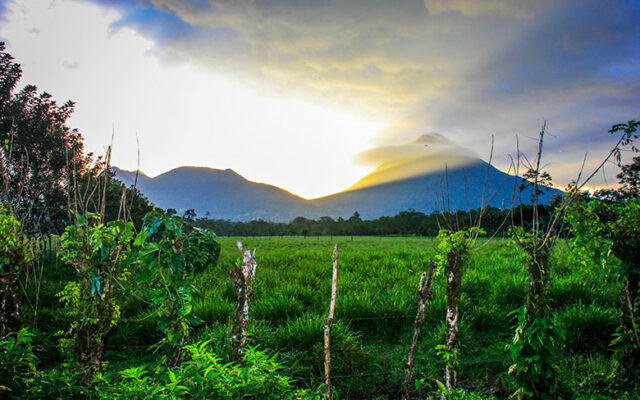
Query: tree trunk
<point x="10" y="320"/>
<point x="538" y="253"/>
<point x="328" y="325"/>
<point x="424" y="295"/>
<point x="242" y="277"/>
<point x="538" y="269"/>
<point x="629" y="319"/>
<point x="90" y="336"/>
<point x="453" y="273"/>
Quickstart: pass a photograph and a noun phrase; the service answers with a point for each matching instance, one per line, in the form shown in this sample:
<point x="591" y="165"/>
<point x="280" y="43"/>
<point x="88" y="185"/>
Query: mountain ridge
<point x="225" y="194"/>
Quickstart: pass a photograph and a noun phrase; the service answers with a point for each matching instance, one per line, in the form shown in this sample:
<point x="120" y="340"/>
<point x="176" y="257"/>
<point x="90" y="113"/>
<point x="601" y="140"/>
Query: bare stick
<point x="242" y="277"/>
<point x="327" y="326"/>
<point x="424" y="295"/>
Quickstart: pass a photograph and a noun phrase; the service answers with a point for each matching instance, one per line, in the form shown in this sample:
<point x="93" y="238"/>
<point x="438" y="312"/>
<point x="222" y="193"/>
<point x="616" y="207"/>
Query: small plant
<point x="169" y="256"/>
<point x="535" y="350"/>
<point x="15" y="254"/>
<point x="604" y="229"/>
<point x="17" y="364"/>
<point x="203" y="375"/>
<point x="100" y="255"/>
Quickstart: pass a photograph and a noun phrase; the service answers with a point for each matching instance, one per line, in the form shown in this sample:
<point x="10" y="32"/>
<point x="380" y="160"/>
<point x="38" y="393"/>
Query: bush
<point x="203" y="375"/>
<point x="17" y="363"/>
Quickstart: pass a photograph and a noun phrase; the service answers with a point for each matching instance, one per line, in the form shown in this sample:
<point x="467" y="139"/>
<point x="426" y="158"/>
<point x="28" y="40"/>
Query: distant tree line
<point x="410" y="222"/>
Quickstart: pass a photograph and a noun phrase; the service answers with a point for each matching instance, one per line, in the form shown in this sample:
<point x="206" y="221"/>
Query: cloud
<point x="428" y="153"/>
<point x="430" y="145"/>
<point x="474" y="8"/>
<point x="71" y="64"/>
<point x="465" y="68"/>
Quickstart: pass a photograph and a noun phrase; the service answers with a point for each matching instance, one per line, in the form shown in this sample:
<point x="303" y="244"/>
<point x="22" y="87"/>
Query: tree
<point x="629" y="179"/>
<point x="169" y="257"/>
<point x="609" y="224"/>
<point x="39" y="151"/>
<point x="44" y="174"/>
<point x="190" y="215"/>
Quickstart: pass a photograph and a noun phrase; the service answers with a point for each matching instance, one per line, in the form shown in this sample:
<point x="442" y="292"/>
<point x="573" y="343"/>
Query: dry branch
<point x="424" y="295"/>
<point x="328" y="325"/>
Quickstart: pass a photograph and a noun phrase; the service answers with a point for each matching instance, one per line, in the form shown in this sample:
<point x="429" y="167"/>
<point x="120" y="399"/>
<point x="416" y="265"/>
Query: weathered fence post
<point x="327" y="326"/>
<point x="242" y="277"/>
<point x="453" y="273"/>
<point x="424" y="295"/>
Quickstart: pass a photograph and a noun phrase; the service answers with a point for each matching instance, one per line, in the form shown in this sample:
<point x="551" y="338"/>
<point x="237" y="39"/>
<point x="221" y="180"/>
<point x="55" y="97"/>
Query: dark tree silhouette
<point x="44" y="173"/>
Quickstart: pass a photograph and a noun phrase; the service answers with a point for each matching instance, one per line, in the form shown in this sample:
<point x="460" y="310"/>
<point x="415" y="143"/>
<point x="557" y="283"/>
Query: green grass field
<point x="377" y="284"/>
<point x="375" y="310"/>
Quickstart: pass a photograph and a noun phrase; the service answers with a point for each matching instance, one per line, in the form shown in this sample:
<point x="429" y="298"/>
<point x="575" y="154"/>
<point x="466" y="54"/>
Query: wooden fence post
<point x="327" y="326"/>
<point x="424" y="295"/>
<point x="453" y="270"/>
<point x="242" y="277"/>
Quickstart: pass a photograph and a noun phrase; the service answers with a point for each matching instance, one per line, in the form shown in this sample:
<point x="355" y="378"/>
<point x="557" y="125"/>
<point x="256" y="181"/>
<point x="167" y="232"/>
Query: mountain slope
<point x="457" y="188"/>
<point x="391" y="188"/>
<point x="223" y="193"/>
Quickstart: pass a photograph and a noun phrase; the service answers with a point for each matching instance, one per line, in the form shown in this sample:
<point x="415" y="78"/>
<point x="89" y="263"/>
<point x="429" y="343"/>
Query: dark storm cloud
<point x="572" y="45"/>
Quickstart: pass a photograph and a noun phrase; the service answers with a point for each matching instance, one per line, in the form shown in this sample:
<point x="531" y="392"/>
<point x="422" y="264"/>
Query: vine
<point x="453" y="251"/>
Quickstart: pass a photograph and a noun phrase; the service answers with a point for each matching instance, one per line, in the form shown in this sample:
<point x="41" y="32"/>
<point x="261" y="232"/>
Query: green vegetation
<point x="374" y="313"/>
<point x="410" y="222"/>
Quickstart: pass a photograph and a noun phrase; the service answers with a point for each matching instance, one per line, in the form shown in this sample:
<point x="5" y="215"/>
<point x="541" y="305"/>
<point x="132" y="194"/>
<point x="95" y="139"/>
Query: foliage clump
<point x="203" y="374"/>
<point x="100" y="255"/>
<point x="169" y="255"/>
<point x="15" y="253"/>
<point x="603" y="229"/>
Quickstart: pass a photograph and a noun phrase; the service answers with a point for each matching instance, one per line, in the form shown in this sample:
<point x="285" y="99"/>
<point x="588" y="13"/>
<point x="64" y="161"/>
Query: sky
<point x="301" y="93"/>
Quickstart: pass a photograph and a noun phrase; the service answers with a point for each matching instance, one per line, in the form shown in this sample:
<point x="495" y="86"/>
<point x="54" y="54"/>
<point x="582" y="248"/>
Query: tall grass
<point x="376" y="304"/>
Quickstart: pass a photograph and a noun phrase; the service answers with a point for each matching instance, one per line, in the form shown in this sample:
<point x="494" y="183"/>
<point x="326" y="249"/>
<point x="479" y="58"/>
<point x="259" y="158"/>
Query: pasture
<point x="375" y="310"/>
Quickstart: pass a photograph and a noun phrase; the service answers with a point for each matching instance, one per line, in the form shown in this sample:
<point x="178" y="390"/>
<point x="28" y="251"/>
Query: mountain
<point x="223" y="193"/>
<point x="457" y="188"/>
<point x="427" y="174"/>
<point x="393" y="187"/>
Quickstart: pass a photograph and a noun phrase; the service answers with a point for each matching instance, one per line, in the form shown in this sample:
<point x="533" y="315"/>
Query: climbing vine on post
<point x="100" y="255"/>
<point x="534" y="350"/>
<point x="535" y="346"/>
<point x="453" y="251"/>
<point x="242" y="276"/>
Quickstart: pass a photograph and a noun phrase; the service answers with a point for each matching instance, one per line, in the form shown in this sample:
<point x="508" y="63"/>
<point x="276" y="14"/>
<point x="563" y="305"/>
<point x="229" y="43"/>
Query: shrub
<point x="203" y="375"/>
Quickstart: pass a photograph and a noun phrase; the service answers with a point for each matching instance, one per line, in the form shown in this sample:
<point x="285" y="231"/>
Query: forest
<point x="102" y="295"/>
